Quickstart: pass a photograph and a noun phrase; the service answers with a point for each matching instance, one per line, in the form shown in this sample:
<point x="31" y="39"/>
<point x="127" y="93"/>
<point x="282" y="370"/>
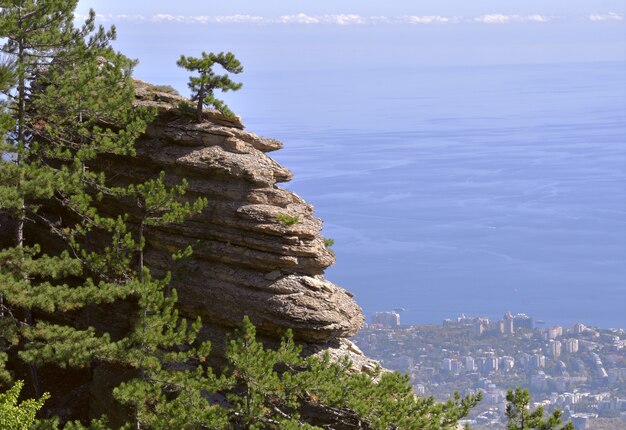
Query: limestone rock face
<point x="247" y="260"/>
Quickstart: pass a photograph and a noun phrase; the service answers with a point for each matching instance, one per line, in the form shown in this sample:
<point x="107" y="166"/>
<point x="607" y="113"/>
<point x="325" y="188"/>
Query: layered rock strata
<point x="258" y="250"/>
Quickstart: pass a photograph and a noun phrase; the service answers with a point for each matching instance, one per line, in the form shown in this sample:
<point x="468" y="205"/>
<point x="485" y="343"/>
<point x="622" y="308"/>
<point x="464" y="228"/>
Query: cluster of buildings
<point x="486" y="364"/>
<point x="510" y="324"/>
<point x="578" y="369"/>
<point x="494" y="400"/>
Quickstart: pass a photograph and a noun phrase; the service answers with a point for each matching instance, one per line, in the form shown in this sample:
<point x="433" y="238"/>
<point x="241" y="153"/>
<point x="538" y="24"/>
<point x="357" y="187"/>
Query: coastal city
<point x="578" y="369"/>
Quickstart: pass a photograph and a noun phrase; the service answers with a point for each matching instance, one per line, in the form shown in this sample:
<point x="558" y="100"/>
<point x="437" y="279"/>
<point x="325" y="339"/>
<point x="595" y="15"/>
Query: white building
<point x="506" y="363"/>
<point x="555" y="349"/>
<point x="571" y="346"/>
<point x="538" y="361"/>
<point x="387" y="319"/>
<point x="470" y="364"/>
<point x="555" y="331"/>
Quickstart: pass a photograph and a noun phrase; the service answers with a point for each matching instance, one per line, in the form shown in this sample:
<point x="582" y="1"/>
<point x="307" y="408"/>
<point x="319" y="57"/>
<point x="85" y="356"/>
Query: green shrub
<point x="14" y="416"/>
<point x="288" y="220"/>
<point x="167" y="89"/>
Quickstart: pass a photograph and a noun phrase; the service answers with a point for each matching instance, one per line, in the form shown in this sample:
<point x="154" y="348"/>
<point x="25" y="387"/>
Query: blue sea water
<point x="473" y="190"/>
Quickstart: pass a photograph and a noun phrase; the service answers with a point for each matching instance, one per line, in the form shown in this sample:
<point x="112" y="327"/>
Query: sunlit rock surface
<point x="246" y="261"/>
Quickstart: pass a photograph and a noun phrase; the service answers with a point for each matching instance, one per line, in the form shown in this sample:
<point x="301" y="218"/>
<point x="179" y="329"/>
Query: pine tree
<point x="266" y="394"/>
<point x="24" y="26"/>
<point x="203" y="86"/>
<point x="171" y="373"/>
<point x="264" y="388"/>
<point x="8" y="335"/>
<point x="71" y="101"/>
<point x="34" y="32"/>
<point x="521" y="417"/>
<point x="167" y="391"/>
<point x="74" y="103"/>
<point x="274" y="386"/>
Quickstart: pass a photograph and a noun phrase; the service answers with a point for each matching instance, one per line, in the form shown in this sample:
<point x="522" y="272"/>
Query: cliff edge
<point x="247" y="260"/>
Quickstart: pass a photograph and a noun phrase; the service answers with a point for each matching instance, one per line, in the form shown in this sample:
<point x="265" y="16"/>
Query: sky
<point x="305" y="34"/>
<point x="273" y="8"/>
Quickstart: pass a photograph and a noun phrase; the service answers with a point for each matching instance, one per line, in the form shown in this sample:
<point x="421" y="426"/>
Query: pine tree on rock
<point x="521" y="417"/>
<point x="203" y="86"/>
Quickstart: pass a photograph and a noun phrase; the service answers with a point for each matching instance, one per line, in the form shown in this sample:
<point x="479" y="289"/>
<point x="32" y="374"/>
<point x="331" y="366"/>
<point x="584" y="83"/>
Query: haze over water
<point x="459" y="169"/>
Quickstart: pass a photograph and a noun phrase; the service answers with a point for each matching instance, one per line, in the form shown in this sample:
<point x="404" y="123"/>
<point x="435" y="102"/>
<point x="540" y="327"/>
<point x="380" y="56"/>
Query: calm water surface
<point x="475" y="190"/>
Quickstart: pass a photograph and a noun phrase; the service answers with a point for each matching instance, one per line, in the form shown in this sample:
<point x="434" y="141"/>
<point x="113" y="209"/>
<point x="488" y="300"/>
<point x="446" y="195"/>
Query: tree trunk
<point x="21" y="145"/>
<point x="200" y="103"/>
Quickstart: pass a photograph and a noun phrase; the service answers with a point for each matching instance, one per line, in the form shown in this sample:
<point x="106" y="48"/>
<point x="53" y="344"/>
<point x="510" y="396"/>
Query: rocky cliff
<point x="258" y="250"/>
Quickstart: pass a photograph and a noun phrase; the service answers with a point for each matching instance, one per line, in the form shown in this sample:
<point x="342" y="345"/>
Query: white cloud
<point x="346" y="19"/>
<point x="203" y="19"/>
<point x="493" y="19"/>
<point x="353" y="19"/>
<point x="343" y="19"/>
<point x="507" y="19"/>
<point x="177" y="18"/>
<point x="429" y="19"/>
<point x="537" y="18"/>
<point x="611" y="16"/>
<point x="300" y="18"/>
<point x="239" y="19"/>
<point x="109" y="17"/>
<point x="180" y="19"/>
<point x="380" y="20"/>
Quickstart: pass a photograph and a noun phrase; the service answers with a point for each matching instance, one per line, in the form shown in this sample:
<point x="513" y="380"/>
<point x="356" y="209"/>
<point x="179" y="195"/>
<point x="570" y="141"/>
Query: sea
<point x="454" y="189"/>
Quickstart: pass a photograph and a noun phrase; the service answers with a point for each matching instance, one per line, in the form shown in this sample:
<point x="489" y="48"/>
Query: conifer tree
<point x="160" y="342"/>
<point x="74" y="103"/>
<point x="8" y="333"/>
<point x="71" y="101"/>
<point x="266" y="394"/>
<point x="273" y="386"/>
<point x="521" y="417"/>
<point x="35" y="31"/>
<point x="30" y="32"/>
<point x="203" y="86"/>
